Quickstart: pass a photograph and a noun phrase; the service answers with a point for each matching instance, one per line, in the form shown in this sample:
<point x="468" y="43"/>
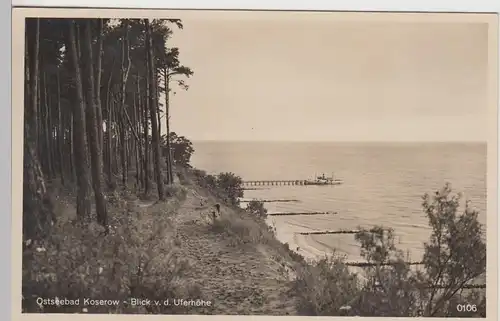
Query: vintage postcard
<point x="271" y="164"/>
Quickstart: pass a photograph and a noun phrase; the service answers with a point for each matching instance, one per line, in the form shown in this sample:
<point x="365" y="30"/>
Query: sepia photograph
<point x="271" y="163"/>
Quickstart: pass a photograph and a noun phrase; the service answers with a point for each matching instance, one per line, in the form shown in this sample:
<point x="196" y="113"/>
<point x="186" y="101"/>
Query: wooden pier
<point x="274" y="182"/>
<point x="295" y="182"/>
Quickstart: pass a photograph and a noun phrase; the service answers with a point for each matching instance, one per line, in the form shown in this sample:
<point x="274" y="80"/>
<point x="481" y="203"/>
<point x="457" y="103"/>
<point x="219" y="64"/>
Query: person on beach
<point x="217" y="207"/>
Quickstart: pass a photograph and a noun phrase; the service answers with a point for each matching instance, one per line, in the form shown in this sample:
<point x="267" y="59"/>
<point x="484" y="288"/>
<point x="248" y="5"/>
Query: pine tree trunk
<point x="92" y="131"/>
<point x="80" y="145"/>
<point x="114" y="140"/>
<point x="125" y="69"/>
<point x="53" y="140"/>
<point x="109" y="137"/>
<point x="33" y="117"/>
<point x="38" y="215"/>
<point x="136" y="144"/>
<point x="60" y="131"/>
<point x="147" y="168"/>
<point x="158" y="111"/>
<point x="153" y="114"/>
<point x="50" y="133"/>
<point x="98" y="84"/>
<point x="41" y="128"/>
<point x="72" y="147"/>
<point x="117" y="141"/>
<point x="46" y="130"/>
<point x="140" y="148"/>
<point x="39" y="143"/>
<point x="28" y="102"/>
<point x="123" y="153"/>
<point x="167" y="120"/>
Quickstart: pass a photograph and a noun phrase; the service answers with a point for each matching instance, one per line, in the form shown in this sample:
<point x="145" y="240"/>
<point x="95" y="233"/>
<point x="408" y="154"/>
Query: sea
<point x="383" y="184"/>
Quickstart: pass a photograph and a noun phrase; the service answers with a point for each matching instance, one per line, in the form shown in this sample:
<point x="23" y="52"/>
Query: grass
<point x="239" y="230"/>
<point x="137" y="259"/>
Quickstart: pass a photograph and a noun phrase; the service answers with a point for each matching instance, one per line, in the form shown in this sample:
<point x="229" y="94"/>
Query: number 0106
<point x="466" y="308"/>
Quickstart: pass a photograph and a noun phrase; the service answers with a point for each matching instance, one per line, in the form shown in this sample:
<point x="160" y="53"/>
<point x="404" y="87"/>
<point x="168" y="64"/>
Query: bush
<point x="454" y="256"/>
<point x="231" y="187"/>
<point x="456" y="252"/>
<point x="257" y="209"/>
<point x="204" y="180"/>
<point x="181" y="148"/>
<point x="226" y="186"/>
<point x="387" y="290"/>
<point x="210" y="182"/>
<point x="198" y="174"/>
<point x="137" y="258"/>
<point x="179" y="192"/>
<point x="296" y="257"/>
<point x="183" y="177"/>
<point x="325" y="287"/>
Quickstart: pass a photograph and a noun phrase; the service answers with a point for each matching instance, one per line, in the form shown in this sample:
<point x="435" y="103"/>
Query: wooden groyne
<point x="301" y="213"/>
<point x="465" y="286"/>
<point x="269" y="201"/>
<point x="330" y="232"/>
<point x="254" y="188"/>
<point x="302" y="182"/>
<point x="368" y="264"/>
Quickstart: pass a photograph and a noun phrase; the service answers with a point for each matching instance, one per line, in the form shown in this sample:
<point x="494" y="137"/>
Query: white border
<point x="347" y="5"/>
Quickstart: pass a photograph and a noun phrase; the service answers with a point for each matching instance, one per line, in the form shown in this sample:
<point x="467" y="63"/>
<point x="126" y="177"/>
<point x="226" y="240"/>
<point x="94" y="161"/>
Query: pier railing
<point x="301" y="182"/>
<point x="274" y="182"/>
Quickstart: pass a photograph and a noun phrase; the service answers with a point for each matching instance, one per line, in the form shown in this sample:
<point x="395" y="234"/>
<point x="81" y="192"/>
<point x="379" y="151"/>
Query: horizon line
<point x="343" y="141"/>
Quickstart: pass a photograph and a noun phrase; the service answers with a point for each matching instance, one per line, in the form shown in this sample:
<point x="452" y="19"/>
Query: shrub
<point x="210" y="182"/>
<point x="179" y="192"/>
<point x="181" y="147"/>
<point x="198" y="173"/>
<point x="325" y="287"/>
<point x="183" y="177"/>
<point x="205" y="180"/>
<point x="226" y="186"/>
<point x="455" y="255"/>
<point x="257" y="209"/>
<point x="77" y="261"/>
<point x="456" y="252"/>
<point x="387" y="290"/>
<point x="231" y="186"/>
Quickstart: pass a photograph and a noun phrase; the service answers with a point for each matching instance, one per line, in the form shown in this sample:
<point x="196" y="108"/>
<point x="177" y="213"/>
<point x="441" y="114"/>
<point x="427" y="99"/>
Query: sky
<point x="330" y="80"/>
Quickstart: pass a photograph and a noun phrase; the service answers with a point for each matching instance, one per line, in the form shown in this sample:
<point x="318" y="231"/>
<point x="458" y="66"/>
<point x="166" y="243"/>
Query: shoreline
<point x="308" y="252"/>
<point x="312" y="253"/>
